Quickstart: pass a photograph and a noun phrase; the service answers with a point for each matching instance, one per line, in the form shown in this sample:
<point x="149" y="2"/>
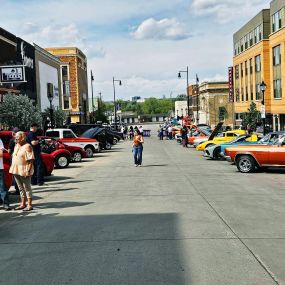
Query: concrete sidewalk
<point x="177" y="220"/>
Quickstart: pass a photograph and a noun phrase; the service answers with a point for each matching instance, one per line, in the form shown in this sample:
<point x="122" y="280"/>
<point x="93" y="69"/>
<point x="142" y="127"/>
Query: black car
<point x="100" y="134"/>
<point x="79" y="129"/>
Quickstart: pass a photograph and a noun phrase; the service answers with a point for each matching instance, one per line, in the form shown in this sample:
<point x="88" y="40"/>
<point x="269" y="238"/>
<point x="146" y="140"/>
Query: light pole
<point x="80" y="109"/>
<point x="197" y="99"/>
<point x="188" y="98"/>
<point x="263" y="114"/>
<point x="115" y="107"/>
<point x="92" y="79"/>
<point x="50" y="96"/>
<point x="182" y="112"/>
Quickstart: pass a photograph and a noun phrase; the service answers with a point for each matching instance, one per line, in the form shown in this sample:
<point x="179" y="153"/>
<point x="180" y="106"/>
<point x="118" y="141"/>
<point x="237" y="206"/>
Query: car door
<point x="277" y="153"/>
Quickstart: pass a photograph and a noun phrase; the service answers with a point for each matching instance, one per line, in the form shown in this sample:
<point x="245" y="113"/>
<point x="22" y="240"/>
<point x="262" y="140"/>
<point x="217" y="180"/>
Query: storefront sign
<point x="231" y="84"/>
<point x="12" y="74"/>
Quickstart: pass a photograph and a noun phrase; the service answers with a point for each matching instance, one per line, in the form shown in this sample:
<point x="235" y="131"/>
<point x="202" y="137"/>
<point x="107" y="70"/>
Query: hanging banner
<point x="231" y="84"/>
<point x="12" y="74"/>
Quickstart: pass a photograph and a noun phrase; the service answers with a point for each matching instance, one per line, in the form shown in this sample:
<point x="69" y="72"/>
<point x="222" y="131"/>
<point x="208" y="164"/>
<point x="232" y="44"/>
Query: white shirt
<point x="1" y="158"/>
<point x="141" y="130"/>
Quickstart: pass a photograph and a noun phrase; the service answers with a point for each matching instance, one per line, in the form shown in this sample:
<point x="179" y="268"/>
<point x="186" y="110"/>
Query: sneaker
<point x="136" y="165"/>
<point x="140" y="165"/>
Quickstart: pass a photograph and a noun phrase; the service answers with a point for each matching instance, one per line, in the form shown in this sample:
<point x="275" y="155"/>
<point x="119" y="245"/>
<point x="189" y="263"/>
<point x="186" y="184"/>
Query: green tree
<point x="59" y="117"/>
<point x="252" y="117"/>
<point x="181" y="97"/>
<point x="19" y="111"/>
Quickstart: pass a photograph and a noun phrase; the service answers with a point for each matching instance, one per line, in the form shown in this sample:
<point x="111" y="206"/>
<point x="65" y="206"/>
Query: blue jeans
<point x="38" y="177"/>
<point x="3" y="190"/>
<point x="138" y="154"/>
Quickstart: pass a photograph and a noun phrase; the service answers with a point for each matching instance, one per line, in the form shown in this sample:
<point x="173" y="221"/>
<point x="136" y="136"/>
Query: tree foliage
<point x="59" y="117"/>
<point x="19" y="111"/>
<point x="252" y="117"/>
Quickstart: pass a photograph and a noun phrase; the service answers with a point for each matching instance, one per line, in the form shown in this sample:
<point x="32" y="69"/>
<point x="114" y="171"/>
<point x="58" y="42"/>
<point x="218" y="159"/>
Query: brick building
<point x="74" y="82"/>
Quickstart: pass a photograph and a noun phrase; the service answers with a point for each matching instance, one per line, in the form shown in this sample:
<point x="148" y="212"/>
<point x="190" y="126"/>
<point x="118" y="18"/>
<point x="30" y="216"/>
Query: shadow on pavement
<point x="154" y="165"/>
<point x="54" y="189"/>
<point x="56" y="178"/>
<point x="111" y="249"/>
<point x="60" y="205"/>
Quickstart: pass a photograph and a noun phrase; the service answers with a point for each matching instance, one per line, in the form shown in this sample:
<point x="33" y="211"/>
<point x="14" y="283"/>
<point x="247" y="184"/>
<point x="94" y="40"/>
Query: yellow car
<point x="226" y="137"/>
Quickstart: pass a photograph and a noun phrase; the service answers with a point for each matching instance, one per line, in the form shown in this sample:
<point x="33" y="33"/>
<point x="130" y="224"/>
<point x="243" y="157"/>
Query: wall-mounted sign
<point x="12" y="74"/>
<point x="231" y="84"/>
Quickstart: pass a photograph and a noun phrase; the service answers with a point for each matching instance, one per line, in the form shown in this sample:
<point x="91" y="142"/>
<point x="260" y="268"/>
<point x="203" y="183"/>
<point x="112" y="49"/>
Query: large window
<point x="276" y="21"/>
<point x="250" y="39"/>
<point x="276" y="56"/>
<point x="245" y="42"/>
<point x="65" y="86"/>
<point x="258" y="92"/>
<point x="241" y="70"/>
<point x="241" y="45"/>
<point x="277" y="89"/>
<point x="257" y="63"/>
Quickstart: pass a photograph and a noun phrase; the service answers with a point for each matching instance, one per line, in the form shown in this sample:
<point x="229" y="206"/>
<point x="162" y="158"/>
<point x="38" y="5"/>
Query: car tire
<point x="108" y="146"/>
<point x="115" y="141"/>
<point x="89" y="151"/>
<point x="216" y="154"/>
<point x="245" y="164"/>
<point x="61" y="161"/>
<point x="77" y="156"/>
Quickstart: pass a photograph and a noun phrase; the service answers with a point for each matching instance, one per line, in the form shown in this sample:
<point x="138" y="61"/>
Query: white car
<point x="68" y="137"/>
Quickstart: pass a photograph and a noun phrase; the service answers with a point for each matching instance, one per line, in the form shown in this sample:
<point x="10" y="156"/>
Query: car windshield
<point x="278" y="139"/>
<point x="270" y="138"/>
<point x="240" y="138"/>
<point x="89" y="133"/>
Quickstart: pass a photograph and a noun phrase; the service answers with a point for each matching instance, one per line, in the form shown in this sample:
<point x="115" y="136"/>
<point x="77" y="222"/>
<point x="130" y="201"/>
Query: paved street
<point x="179" y="219"/>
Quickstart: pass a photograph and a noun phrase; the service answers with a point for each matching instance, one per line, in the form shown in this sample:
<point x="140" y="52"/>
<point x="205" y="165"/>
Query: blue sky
<point x="143" y="43"/>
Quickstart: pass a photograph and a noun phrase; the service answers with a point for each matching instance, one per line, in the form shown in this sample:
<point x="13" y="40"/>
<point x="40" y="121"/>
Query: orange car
<point x="249" y="157"/>
<point x="201" y="134"/>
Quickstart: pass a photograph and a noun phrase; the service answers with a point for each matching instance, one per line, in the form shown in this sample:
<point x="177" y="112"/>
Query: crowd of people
<point x="129" y="132"/>
<point x="26" y="167"/>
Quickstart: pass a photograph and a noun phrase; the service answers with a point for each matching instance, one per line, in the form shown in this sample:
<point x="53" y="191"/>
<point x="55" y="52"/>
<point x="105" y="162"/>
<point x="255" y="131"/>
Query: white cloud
<point x="60" y="35"/>
<point x="227" y="10"/>
<point x="165" y="29"/>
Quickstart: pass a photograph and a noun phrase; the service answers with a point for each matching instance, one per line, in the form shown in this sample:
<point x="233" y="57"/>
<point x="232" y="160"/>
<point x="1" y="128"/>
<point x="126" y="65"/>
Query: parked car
<point x="48" y="160"/>
<point x="79" y="129"/>
<point x="77" y="153"/>
<point x="199" y="134"/>
<point x="249" y="157"/>
<point x="8" y="178"/>
<point x="68" y="137"/>
<point x="217" y="151"/>
<point x="100" y="135"/>
<point x="225" y="137"/>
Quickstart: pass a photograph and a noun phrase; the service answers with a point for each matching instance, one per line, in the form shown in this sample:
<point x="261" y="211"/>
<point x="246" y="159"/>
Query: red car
<point x="62" y="153"/>
<point x="48" y="159"/>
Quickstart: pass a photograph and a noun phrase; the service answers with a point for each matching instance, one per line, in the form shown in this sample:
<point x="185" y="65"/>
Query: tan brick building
<point x="74" y="82"/>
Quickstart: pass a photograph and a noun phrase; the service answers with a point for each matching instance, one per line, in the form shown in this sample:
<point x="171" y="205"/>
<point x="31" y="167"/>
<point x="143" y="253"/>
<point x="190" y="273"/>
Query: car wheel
<point x="108" y="146"/>
<point x="216" y="154"/>
<point x="77" y="157"/>
<point x="115" y="141"/>
<point x="89" y="151"/>
<point x="245" y="164"/>
<point x="61" y="161"/>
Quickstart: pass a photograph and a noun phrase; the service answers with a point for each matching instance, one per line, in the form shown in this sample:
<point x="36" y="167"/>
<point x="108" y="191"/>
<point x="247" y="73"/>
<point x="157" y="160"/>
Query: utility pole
<point x="93" y="109"/>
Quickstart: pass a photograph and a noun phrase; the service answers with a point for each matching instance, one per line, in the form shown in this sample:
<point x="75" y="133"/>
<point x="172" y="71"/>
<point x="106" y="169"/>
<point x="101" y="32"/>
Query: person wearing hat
<point x="32" y="139"/>
<point x="11" y="148"/>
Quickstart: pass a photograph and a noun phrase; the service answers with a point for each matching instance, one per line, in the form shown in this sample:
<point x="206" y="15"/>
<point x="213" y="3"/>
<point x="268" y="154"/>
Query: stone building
<point x="214" y="105"/>
<point x="74" y="83"/>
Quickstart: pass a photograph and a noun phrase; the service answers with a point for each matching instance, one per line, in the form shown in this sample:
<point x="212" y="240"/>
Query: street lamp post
<point x="182" y="112"/>
<point x="93" y="109"/>
<point x="263" y="114"/>
<point x="80" y="109"/>
<point x="197" y="99"/>
<point x="188" y="98"/>
<point x="50" y="96"/>
<point x="115" y="107"/>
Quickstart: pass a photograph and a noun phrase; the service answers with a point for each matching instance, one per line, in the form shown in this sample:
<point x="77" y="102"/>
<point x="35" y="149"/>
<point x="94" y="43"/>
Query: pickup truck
<point x="68" y="137"/>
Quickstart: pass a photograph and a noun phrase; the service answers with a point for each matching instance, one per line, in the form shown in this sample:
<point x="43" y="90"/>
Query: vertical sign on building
<point x="231" y="84"/>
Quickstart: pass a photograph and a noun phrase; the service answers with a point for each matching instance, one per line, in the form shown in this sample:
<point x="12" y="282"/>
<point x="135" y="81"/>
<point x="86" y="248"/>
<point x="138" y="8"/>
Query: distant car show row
<point x="248" y="150"/>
